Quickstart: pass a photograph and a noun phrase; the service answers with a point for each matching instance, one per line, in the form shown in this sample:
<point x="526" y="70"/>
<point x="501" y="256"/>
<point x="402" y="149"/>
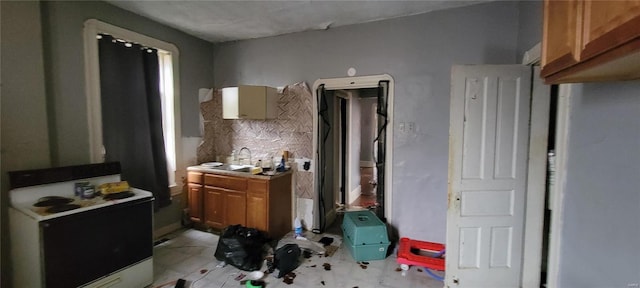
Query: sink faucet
<point x="240" y="160"/>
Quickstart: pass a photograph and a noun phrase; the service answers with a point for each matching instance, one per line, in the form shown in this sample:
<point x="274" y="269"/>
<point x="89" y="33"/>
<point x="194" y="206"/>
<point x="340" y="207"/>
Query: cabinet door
<point x="195" y="202"/>
<point x="235" y="207"/>
<point x="561" y="30"/>
<point x="257" y="216"/>
<point x="258" y="204"/>
<point x="252" y="102"/>
<point x="214" y="207"/>
<point x="609" y="24"/>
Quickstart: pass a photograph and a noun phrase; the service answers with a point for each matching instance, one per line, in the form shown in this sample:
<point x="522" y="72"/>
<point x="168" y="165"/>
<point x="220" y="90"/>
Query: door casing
<point x="346" y="83"/>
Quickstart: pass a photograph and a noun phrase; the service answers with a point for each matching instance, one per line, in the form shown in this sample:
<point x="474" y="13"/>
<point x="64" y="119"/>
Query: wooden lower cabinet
<point x="214" y="207"/>
<point x="235" y="208"/>
<point x="195" y="195"/>
<point x="257" y="211"/>
<point x="195" y="202"/>
<point x="264" y="204"/>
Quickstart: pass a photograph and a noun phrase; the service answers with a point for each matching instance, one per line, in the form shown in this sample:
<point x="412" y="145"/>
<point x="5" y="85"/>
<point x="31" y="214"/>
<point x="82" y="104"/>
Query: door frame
<point x="345" y="83"/>
<point x="536" y="181"/>
<point x="339" y="154"/>
<point x="556" y="197"/>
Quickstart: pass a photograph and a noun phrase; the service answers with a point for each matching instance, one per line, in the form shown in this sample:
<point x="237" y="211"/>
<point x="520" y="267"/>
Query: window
<point x="168" y="56"/>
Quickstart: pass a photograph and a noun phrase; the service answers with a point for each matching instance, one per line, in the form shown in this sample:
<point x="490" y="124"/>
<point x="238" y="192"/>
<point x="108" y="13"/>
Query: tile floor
<point x="188" y="254"/>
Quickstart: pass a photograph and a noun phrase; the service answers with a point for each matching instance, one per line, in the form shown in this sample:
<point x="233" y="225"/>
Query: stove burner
<point x="62" y="208"/>
<point x="52" y="201"/>
<point x="119" y="195"/>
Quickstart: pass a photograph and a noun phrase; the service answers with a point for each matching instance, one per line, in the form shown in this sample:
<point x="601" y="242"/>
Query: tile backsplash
<point x="291" y="130"/>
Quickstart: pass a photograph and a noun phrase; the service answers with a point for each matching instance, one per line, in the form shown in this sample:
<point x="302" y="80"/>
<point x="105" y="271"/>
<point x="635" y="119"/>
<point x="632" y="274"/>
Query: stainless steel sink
<point x="235" y="168"/>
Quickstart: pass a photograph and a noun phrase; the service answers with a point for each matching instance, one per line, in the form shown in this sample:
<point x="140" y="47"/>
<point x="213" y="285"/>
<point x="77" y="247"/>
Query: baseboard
<point x="157" y="233"/>
<point x="354" y="194"/>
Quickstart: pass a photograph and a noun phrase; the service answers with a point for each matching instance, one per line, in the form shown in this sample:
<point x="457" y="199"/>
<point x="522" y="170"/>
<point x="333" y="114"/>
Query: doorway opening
<point x="352" y="145"/>
<point x="355" y="137"/>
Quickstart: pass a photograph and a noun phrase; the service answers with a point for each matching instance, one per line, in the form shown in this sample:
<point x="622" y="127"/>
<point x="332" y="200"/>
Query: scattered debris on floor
<point x="326" y="241"/>
<point x="304" y="244"/>
<point x="240" y="277"/>
<point x="329" y="250"/>
<point x="308" y="262"/>
<point x="306" y="254"/>
<point x="289" y="278"/>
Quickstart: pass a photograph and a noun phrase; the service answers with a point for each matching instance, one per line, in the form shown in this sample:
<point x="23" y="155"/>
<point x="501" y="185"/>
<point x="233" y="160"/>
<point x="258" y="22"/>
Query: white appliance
<point x="98" y="243"/>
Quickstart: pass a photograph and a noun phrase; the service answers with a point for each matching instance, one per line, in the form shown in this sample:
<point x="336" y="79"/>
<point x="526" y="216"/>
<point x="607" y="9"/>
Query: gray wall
<point x="25" y="140"/>
<point x="418" y="52"/>
<point x="64" y="59"/>
<point x="601" y="220"/>
<point x="530" y="29"/>
<point x="64" y="67"/>
<point x="44" y="120"/>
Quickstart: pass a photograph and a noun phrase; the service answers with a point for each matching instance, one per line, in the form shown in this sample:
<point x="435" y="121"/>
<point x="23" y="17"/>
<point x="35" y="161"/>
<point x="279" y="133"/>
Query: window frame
<point x="93" y="27"/>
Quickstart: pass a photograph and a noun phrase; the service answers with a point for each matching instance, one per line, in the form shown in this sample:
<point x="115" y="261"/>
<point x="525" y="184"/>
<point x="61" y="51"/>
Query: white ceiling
<point x="220" y="21"/>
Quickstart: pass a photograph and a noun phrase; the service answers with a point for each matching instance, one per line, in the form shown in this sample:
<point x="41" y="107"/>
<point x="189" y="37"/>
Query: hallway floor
<point x="188" y="254"/>
<point x="364" y="201"/>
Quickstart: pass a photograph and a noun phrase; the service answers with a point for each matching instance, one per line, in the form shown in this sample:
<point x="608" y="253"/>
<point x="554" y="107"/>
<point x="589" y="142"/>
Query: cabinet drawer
<point x="257" y="186"/>
<point x="194" y="177"/>
<point x="225" y="182"/>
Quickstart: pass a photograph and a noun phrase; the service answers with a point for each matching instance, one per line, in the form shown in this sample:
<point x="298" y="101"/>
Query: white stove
<point x="23" y="199"/>
<point x="115" y="236"/>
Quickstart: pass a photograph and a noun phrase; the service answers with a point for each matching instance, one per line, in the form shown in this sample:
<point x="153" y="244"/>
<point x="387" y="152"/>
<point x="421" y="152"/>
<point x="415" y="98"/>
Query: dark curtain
<point x="324" y="130"/>
<point x="383" y="94"/>
<point x="132" y="116"/>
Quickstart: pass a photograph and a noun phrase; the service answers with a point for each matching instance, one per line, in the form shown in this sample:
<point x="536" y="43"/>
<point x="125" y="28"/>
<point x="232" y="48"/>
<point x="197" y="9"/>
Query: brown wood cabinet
<point x="586" y="41"/>
<point x="269" y="205"/>
<point x="235" y="207"/>
<point x="261" y="203"/>
<point x="214" y="207"/>
<point x="195" y="196"/>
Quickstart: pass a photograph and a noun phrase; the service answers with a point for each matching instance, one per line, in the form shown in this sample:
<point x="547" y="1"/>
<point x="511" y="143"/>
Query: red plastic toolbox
<point x="405" y="256"/>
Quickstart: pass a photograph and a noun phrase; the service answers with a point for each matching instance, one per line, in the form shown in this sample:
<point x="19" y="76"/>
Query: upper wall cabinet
<point x="587" y="41"/>
<point x="249" y="102"/>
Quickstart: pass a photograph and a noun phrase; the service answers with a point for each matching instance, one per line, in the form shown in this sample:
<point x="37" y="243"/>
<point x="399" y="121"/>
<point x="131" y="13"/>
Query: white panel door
<point x="488" y="150"/>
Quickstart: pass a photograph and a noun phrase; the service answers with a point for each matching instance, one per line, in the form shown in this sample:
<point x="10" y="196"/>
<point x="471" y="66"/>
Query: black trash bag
<point x="241" y="247"/>
<point x="287" y="259"/>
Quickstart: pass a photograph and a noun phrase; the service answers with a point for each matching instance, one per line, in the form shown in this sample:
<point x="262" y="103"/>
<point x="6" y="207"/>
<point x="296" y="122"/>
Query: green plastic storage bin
<point x="365" y="236"/>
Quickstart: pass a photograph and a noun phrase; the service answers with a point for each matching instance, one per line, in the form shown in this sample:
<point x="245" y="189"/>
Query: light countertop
<point x="222" y="170"/>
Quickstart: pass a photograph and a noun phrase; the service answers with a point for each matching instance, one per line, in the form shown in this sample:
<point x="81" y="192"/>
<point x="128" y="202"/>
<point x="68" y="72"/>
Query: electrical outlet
<point x="304" y="164"/>
<point x="411" y="127"/>
<point x="401" y="126"/>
